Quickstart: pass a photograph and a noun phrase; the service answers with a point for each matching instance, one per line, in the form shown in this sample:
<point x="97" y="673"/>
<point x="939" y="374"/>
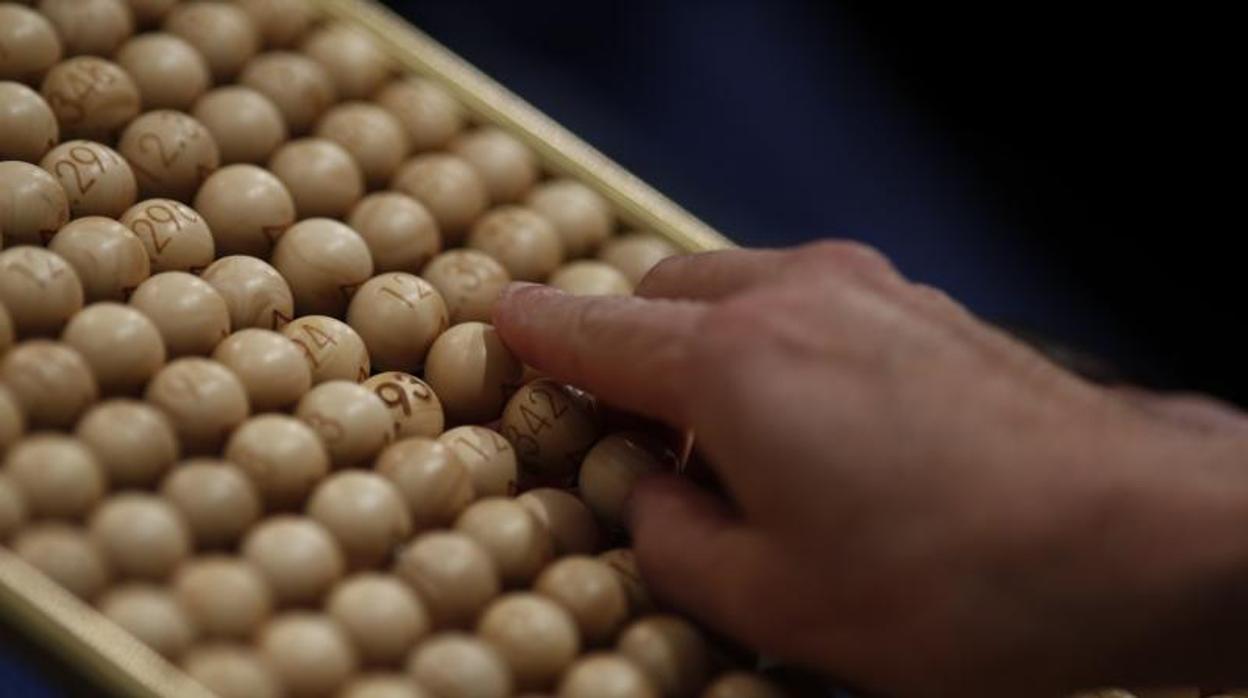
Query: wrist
<point x="1165" y="548"/>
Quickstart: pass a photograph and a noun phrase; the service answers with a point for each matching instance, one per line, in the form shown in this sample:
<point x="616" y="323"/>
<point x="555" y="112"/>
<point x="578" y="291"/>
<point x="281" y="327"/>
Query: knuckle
<point x="935" y="297"/>
<point x="850" y="255"/>
<point x="725" y="334"/>
<point x="729" y="325"/>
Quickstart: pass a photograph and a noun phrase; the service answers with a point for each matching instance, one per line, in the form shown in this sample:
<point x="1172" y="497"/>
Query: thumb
<point x="696" y="555"/>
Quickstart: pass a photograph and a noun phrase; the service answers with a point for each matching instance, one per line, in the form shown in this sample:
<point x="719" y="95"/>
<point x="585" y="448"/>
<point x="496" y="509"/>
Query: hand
<point x="920" y="504"/>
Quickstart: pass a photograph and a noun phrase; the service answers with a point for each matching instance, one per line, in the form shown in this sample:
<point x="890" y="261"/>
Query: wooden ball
<point x="270" y="366"/>
<point x="470" y="282"/>
<point x="453" y="575"/>
<point x="605" y="675"/>
<point x="175" y="236"/>
<point x="430" y="114"/>
<point x="472" y="372"/>
<point x="571" y="524"/>
<point x="171" y="154"/>
<point x="297" y="85"/>
<point x="245" y="124"/>
<point x="353" y="423"/>
<point x="57" y="475"/>
<point x="204" y="399"/>
<point x="354" y="62"/>
<point x="108" y="257"/>
<point x="321" y="176"/>
<point x="141" y="535"/>
<point x="247" y="209"/>
<point x="29" y="46"/>
<point x="364" y="512"/>
<point x="297" y="556"/>
<point x="152" y="615"/>
<point x="232" y="671"/>
<point x="435" y="486"/>
<point x="413" y="405"/>
<point x="96" y="179"/>
<point x="611" y="469"/>
<point x="133" y="441"/>
<point x="373" y="136"/>
<point x="455" y="665"/>
<point x="256" y="295"/>
<point x="221" y="32"/>
<point x="168" y="71"/>
<point x="398" y="315"/>
<point x="66" y="555"/>
<point x="590" y="591"/>
<point x="281" y="23"/>
<point x="550" y="426"/>
<point x="490" y="459"/>
<point x="521" y="240"/>
<point x="399" y="231"/>
<point x="93" y="99"/>
<point x="580" y="215"/>
<point x="310" y="653"/>
<point x="226" y="597"/>
<point x="449" y="187"/>
<point x="535" y="636"/>
<point x="623" y="562"/>
<point x="12" y="502"/>
<point x="384" y="686"/>
<point x="507" y="166"/>
<point x="41" y="291"/>
<point x="670" y="651"/>
<point x="283" y="457"/>
<point x="191" y="316"/>
<point x="324" y="262"/>
<point x="50" y="380"/>
<point x="28" y="127"/>
<point x="517" y="542"/>
<point x="381" y="615"/>
<point x="742" y="684"/>
<point x="216" y="498"/>
<point x="32" y="204"/>
<point x="122" y="346"/>
<point x="587" y="277"/>
<point x="331" y="349"/>
<point x="94" y="27"/>
<point x="149" y="12"/>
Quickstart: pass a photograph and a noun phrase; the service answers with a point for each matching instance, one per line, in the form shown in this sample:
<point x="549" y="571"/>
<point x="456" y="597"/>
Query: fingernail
<point x="513" y="288"/>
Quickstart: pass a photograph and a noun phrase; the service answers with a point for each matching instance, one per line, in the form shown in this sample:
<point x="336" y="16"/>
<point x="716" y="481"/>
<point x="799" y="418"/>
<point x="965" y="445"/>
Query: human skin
<point x="919" y="504"/>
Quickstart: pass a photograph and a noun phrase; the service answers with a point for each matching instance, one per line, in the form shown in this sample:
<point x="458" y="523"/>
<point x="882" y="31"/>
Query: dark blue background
<point x="1046" y="163"/>
<point x="774" y="122"/>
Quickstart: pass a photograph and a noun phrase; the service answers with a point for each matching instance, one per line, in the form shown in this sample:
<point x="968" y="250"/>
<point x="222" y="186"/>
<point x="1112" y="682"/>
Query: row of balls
<point x="443" y="579"/>
<point x="356" y="146"/>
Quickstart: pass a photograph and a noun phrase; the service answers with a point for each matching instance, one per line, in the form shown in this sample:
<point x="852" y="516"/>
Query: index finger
<point x="712" y="275"/>
<point x="630" y="352"/>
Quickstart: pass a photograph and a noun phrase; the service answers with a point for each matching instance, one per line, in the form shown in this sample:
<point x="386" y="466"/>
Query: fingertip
<point x="515" y="298"/>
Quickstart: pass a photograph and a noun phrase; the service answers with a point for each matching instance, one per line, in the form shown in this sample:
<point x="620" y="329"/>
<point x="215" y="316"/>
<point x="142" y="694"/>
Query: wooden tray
<point x="105" y="653"/>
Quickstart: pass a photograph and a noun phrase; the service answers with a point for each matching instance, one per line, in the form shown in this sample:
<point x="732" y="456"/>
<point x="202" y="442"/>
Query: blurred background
<point x="1056" y="166"/>
<point x="1059" y="167"/>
